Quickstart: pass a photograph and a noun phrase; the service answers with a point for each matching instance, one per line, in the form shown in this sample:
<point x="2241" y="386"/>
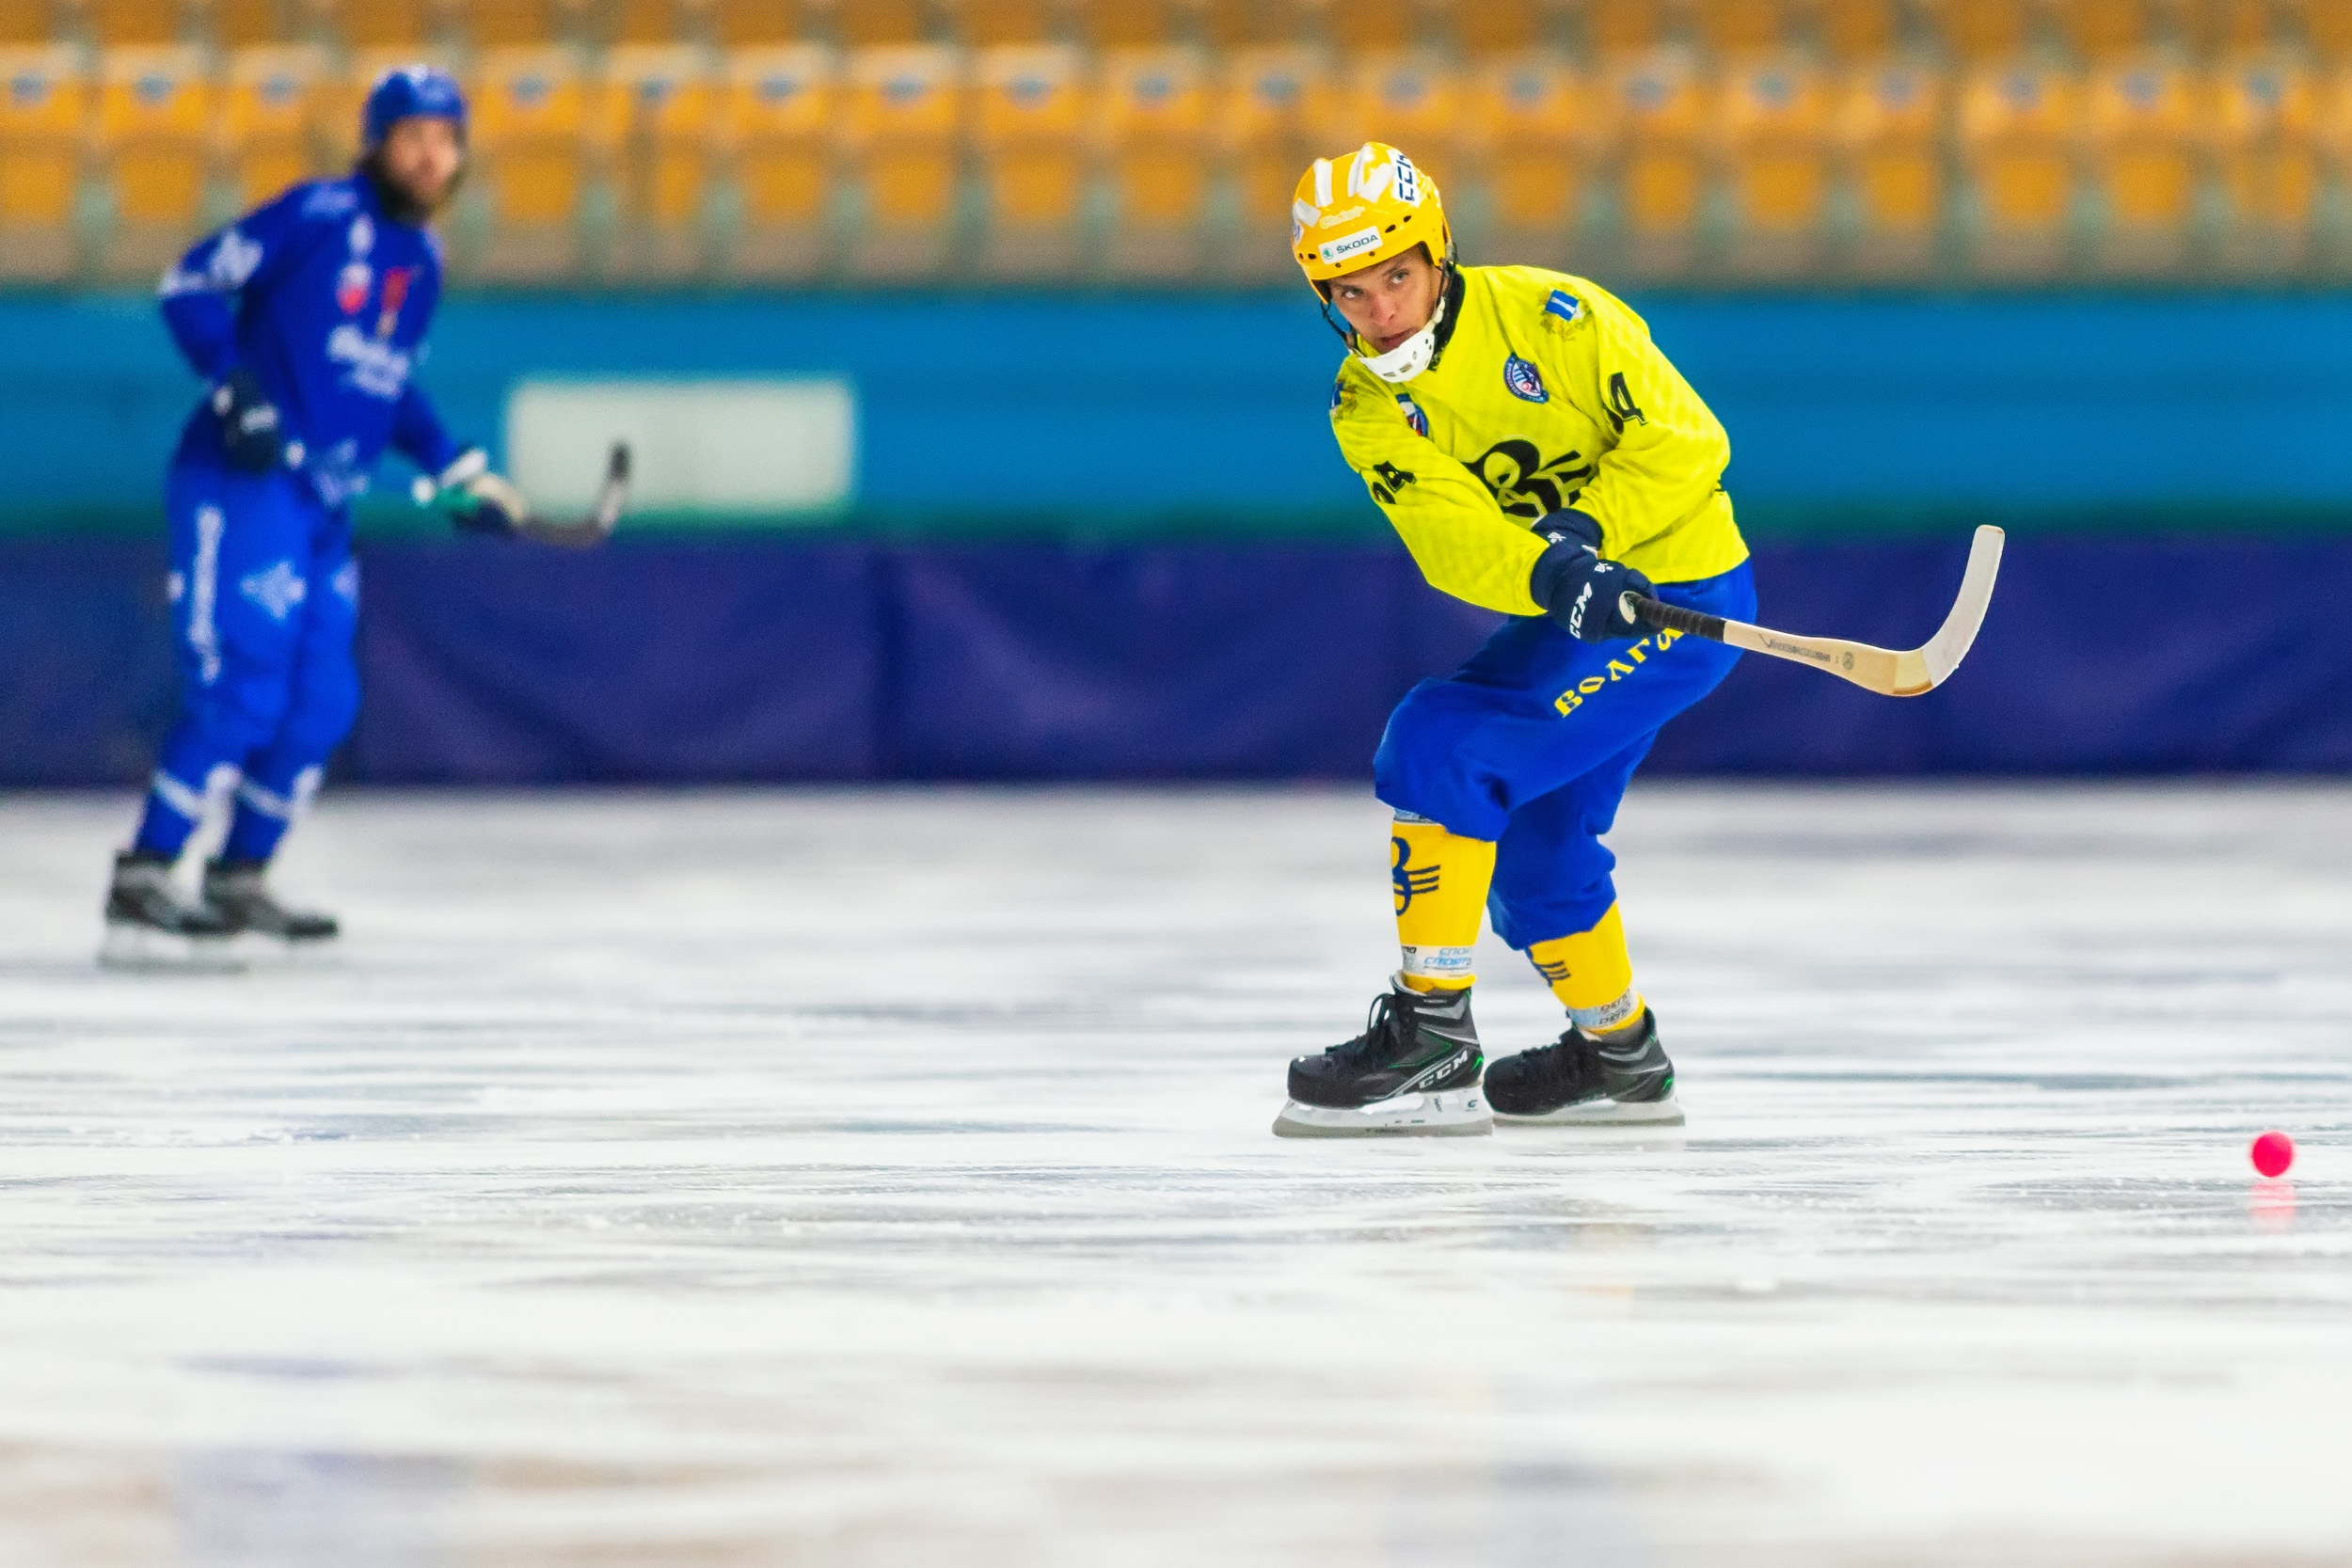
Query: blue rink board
<point x="743" y="662"/>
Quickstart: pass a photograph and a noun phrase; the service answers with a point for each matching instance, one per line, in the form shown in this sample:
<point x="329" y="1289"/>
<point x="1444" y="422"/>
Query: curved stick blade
<point x="1951" y="641"/>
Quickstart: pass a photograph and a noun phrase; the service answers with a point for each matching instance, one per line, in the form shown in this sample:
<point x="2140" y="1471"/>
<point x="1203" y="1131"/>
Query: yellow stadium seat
<point x="2224" y="28"/>
<point x="1730" y="28"/>
<point x="2265" y="123"/>
<point x="1624" y="26"/>
<point x="121" y="23"/>
<point x="903" y="118"/>
<point x="1536" y="127"/>
<point x="649" y="23"/>
<point x="1891" y="123"/>
<point x="995" y="24"/>
<point x="153" y="134"/>
<point x="252" y="23"/>
<point x="1407" y="100"/>
<point x="878" y="23"/>
<point x="1374" y="26"/>
<point x="757" y="23"/>
<point x="1228" y="24"/>
<point x="1126" y="24"/>
<point x="44" y="115"/>
<point x="364" y="25"/>
<point x="1773" y="118"/>
<point x="1858" y="30"/>
<point x="1984" y="32"/>
<point x="514" y="24"/>
<point x="2101" y="30"/>
<point x="1275" y="115"/>
<point x="1029" y="112"/>
<point x="777" y="122"/>
<point x="1490" y="29"/>
<point x="27" y="23"/>
<point x="2144" y="122"/>
<point x="1154" y="126"/>
<point x="2019" y="130"/>
<point x="657" y="125"/>
<point x="1662" y="112"/>
<point x="269" y="129"/>
<point x="2327" y="26"/>
<point x="529" y="124"/>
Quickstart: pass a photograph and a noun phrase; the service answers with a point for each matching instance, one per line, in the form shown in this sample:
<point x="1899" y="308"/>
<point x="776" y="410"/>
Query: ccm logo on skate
<point x="1573" y="698"/>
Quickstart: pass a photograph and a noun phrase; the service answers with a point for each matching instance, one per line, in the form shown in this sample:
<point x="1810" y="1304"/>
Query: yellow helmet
<point x="1362" y="208"/>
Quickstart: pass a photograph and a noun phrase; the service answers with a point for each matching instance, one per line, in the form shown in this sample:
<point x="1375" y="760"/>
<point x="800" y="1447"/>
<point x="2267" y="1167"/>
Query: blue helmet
<point x="411" y="91"/>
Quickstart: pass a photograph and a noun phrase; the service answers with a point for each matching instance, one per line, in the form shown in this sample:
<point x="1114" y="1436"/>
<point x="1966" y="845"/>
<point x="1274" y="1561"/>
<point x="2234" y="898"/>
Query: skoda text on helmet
<point x="1357" y="210"/>
<point x="408" y="93"/>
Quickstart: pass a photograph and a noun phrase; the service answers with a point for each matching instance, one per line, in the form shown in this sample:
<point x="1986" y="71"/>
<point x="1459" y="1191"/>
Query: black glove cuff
<point x="1569" y="522"/>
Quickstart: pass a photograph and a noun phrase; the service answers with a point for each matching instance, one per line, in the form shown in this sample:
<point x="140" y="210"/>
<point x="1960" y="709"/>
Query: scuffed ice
<point x="861" y="1180"/>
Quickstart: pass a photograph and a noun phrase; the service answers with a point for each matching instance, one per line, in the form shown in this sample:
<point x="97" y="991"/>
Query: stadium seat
<point x="1154" y="124"/>
<point x="1984" y="32"/>
<point x="1661" y="110"/>
<point x="27" y="23"/>
<point x="1615" y="27"/>
<point x="44" y="115"/>
<point x="1233" y="24"/>
<point x="1490" y="29"/>
<point x="363" y="25"/>
<point x="878" y="23"/>
<point x="153" y="137"/>
<point x="754" y="23"/>
<point x="1407" y="100"/>
<point x="1126" y="24"/>
<point x="2143" y="123"/>
<point x="1374" y="26"/>
<point x="2327" y="28"/>
<point x="1732" y="28"/>
<point x="1275" y="114"/>
<point x="1891" y="123"/>
<point x="657" y="127"/>
<point x="1535" y="129"/>
<point x="997" y="24"/>
<point x="777" y="124"/>
<point x="269" y="120"/>
<point x="133" y="23"/>
<point x="252" y="23"/>
<point x="528" y="139"/>
<point x="514" y="24"/>
<point x="2018" y="130"/>
<point x="1858" y="30"/>
<point x="650" y="23"/>
<point x="1028" y="115"/>
<point x="1773" y="117"/>
<point x="2106" y="30"/>
<point x="2266" y="120"/>
<point x="2220" y="28"/>
<point x="903" y="119"/>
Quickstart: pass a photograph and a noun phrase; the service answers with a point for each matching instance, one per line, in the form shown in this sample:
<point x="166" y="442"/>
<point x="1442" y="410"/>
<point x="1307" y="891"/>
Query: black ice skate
<point x="149" y="926"/>
<point x="1581" y="1082"/>
<point x="239" y="891"/>
<point x="1413" y="1070"/>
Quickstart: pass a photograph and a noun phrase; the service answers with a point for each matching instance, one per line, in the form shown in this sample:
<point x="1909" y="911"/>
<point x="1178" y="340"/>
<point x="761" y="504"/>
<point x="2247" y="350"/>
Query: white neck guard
<point x="1412" y="356"/>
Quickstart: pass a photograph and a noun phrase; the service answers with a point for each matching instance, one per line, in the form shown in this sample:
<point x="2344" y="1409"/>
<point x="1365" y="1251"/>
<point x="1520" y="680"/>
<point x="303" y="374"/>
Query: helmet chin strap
<point x="1412" y="356"/>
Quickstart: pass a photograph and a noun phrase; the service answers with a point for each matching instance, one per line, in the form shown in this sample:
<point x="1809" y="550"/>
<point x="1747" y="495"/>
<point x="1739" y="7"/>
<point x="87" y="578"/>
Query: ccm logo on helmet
<point x="1338" y="251"/>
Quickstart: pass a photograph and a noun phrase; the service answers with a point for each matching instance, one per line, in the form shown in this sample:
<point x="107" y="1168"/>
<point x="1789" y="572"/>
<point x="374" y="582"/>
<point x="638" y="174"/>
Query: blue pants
<point x="265" y="598"/>
<point x="1532" y="743"/>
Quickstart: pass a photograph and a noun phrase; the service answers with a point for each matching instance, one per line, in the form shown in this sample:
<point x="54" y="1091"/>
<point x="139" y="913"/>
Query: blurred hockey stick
<point x="1889" y="673"/>
<point x="572" y="534"/>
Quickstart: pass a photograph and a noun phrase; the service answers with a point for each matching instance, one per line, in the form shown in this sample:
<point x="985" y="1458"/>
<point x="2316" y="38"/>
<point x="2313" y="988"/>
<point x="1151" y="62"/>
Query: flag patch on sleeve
<point x="1564" y="305"/>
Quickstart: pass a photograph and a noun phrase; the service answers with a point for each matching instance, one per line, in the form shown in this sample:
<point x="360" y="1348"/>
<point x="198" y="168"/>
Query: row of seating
<point x="898" y="147"/>
<point x="1968" y="31"/>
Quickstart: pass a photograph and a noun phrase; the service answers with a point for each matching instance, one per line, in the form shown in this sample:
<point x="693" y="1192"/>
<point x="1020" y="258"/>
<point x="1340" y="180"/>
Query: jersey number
<point x="1524" y="484"/>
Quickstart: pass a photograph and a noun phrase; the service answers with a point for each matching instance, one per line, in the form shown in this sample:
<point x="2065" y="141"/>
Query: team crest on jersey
<point x="1413" y="416"/>
<point x="1564" y="305"/>
<point x="1523" y="381"/>
<point x="352" y="285"/>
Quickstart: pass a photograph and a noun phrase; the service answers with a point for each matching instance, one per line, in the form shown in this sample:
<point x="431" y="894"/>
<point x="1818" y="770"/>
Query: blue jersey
<point x="326" y="300"/>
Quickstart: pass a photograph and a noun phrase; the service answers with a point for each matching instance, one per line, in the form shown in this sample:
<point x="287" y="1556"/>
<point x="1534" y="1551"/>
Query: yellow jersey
<point x="1547" y="392"/>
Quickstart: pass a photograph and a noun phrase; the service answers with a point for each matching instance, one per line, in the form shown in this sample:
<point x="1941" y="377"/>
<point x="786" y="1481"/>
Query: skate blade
<point x="1447" y="1113"/>
<point x="1605" y="1113"/>
<point x="143" y="950"/>
<point x="261" y="950"/>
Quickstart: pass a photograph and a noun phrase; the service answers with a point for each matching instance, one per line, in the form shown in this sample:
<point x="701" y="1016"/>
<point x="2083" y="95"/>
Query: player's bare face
<point x="421" y="156"/>
<point x="1388" y="301"/>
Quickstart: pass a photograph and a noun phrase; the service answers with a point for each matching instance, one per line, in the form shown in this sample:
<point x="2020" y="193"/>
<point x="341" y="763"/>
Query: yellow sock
<point x="1440" y="882"/>
<point x="1592" y="976"/>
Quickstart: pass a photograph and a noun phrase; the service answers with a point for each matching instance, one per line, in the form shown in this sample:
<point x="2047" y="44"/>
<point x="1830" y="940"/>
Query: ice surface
<point x="884" y="1179"/>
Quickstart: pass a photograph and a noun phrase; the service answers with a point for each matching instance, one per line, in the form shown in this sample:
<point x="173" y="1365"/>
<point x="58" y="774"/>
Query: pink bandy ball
<point x="2273" y="1153"/>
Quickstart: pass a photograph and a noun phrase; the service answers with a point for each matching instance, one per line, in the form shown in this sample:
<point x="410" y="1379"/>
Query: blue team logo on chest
<point x="1413" y="415"/>
<point x="1523" y="381"/>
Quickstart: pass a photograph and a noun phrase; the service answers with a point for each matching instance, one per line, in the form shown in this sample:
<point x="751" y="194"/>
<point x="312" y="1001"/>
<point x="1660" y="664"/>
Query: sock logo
<point x="1410" y="881"/>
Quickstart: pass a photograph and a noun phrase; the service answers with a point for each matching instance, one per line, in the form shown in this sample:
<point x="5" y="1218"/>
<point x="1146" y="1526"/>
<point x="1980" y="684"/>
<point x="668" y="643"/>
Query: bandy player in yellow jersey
<point x="1540" y="458"/>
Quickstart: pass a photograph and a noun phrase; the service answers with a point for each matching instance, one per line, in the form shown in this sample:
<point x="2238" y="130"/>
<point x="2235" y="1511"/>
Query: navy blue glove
<point x="1578" y="589"/>
<point x="251" y="435"/>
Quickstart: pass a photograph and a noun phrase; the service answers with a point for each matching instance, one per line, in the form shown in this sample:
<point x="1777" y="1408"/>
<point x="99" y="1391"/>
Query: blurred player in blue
<point x="305" y="319"/>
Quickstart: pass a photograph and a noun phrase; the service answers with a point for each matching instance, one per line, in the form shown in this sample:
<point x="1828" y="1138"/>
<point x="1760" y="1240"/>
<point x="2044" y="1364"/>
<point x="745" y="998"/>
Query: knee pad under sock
<point x="1440" y="882"/>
